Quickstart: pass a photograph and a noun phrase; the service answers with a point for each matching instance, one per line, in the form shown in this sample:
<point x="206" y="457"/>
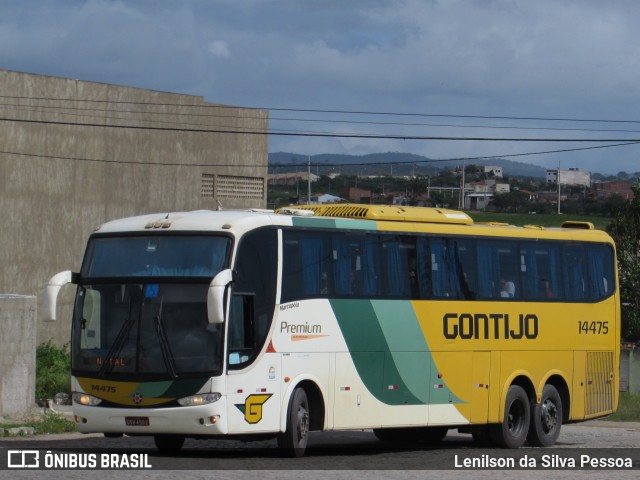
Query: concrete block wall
<point x="76" y="154"/>
<point x="18" y="354"/>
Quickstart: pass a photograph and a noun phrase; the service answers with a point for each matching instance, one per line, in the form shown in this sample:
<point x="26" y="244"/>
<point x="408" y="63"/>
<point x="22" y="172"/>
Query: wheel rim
<point x="516" y="419"/>
<point x="549" y="415"/>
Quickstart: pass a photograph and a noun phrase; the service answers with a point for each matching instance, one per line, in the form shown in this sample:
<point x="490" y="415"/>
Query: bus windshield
<point x="158" y="330"/>
<point x="141" y="307"/>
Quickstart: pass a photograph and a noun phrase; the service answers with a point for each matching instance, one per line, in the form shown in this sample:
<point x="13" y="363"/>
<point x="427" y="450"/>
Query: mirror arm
<point x="52" y="289"/>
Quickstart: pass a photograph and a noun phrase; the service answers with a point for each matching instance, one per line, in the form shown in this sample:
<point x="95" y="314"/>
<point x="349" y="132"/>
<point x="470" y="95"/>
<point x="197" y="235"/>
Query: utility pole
<point x="309" y="179"/>
<point x="462" y="187"/>
<point x="558" y="180"/>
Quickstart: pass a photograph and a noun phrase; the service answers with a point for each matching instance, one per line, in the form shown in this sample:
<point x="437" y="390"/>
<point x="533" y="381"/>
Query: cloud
<point x="219" y="48"/>
<point x="548" y="58"/>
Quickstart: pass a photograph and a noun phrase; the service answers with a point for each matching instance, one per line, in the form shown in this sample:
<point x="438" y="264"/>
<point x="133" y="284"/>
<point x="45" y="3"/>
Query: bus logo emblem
<point x="252" y="407"/>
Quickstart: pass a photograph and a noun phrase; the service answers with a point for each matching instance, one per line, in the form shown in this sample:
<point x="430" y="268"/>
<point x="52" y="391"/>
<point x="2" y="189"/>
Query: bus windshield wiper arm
<point x="167" y="355"/>
<point x="116" y="348"/>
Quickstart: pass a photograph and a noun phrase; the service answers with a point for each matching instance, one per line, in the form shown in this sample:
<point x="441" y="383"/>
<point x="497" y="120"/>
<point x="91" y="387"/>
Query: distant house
<point x="532" y="196"/>
<point x="488" y="186"/>
<point x="602" y="190"/>
<point x="573" y="176"/>
<point x="356" y="195"/>
<point x="493" y="170"/>
<point x="477" y="201"/>
<point x="290" y="178"/>
<point x="401" y="200"/>
<point x="326" y="198"/>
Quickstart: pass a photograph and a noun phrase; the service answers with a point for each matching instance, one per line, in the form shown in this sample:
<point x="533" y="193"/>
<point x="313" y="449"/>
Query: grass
<point x="628" y="408"/>
<point x="53" y="366"/>
<point x="50" y="422"/>
<point x="544" y="220"/>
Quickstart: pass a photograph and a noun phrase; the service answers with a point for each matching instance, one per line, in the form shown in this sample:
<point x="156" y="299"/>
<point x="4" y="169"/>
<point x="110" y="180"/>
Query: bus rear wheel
<point x="513" y="430"/>
<point x="546" y="418"/>
<point x="293" y="442"/>
<point x="168" y="443"/>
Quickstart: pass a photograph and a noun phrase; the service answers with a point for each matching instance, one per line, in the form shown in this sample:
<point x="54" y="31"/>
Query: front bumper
<point x="196" y="420"/>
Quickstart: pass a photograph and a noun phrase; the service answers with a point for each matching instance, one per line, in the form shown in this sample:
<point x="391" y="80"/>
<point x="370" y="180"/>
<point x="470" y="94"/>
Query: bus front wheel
<point x="513" y="430"/>
<point x="293" y="442"/>
<point x="546" y="418"/>
<point x="168" y="443"/>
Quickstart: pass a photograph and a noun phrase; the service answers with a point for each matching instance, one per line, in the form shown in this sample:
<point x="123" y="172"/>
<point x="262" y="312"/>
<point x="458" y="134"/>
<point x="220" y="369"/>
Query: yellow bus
<point x="404" y="320"/>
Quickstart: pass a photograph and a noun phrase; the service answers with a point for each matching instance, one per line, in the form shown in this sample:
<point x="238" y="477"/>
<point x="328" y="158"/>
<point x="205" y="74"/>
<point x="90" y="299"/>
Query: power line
<point x="58" y="110"/>
<point x="328" y="134"/>
<point x="130" y="162"/>
<point x="415" y="162"/>
<point x="334" y="111"/>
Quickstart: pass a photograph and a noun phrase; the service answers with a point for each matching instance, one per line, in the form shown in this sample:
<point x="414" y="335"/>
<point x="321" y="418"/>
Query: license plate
<point x="136" y="421"/>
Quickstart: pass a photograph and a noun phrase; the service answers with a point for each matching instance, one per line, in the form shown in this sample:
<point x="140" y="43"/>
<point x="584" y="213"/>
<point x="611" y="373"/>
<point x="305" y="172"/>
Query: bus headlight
<point x="84" y="399"/>
<point x="201" y="399"/>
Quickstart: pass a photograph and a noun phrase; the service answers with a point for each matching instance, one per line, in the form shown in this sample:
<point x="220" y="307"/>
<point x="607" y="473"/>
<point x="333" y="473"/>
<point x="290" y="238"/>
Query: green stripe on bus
<point x="370" y="352"/>
<point x="390" y="352"/>
<point x="332" y="223"/>
<point x="311" y="222"/>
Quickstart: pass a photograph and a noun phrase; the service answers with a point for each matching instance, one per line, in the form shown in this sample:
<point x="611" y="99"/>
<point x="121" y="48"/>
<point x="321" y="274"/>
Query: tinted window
<point x="155" y="256"/>
<point x="386" y="265"/>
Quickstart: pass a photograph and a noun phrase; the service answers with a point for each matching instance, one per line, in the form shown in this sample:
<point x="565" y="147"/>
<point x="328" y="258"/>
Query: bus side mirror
<point x="51" y="290"/>
<point x="215" y="296"/>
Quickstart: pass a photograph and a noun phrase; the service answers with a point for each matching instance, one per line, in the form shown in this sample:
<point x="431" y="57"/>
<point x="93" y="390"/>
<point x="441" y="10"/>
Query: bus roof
<point x="348" y="217"/>
<point x="394" y="213"/>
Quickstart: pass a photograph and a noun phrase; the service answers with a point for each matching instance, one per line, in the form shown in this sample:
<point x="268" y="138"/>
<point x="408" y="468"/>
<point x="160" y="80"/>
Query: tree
<point x="511" y="202"/>
<point x="625" y="230"/>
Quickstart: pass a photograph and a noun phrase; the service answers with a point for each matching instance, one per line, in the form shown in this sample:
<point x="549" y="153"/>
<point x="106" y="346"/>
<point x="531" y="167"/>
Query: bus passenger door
<point x="254" y="375"/>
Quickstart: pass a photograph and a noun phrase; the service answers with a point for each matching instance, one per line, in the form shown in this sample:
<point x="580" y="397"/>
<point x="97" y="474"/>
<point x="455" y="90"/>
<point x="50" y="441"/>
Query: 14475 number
<point x="596" y="328"/>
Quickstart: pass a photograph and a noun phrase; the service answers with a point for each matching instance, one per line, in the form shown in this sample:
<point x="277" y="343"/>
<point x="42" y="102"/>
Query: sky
<point x="419" y="68"/>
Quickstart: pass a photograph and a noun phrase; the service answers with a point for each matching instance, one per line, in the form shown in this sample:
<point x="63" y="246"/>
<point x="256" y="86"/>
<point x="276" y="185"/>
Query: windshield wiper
<point x="118" y="344"/>
<point x="167" y="356"/>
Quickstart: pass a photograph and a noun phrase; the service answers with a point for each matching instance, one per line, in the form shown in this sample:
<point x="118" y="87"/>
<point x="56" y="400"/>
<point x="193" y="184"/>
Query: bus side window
<point x="488" y="267"/>
<point x="304" y="265"/>
<point x="241" y="329"/>
<point x="573" y="272"/>
<point x="396" y="272"/>
<point x="600" y="281"/>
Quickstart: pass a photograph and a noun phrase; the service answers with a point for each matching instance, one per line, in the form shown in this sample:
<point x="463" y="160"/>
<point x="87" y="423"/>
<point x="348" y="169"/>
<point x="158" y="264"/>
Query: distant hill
<point x="395" y="163"/>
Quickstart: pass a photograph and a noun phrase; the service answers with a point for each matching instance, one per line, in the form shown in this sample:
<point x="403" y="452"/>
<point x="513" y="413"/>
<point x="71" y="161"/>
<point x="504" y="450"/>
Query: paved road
<point x="348" y="455"/>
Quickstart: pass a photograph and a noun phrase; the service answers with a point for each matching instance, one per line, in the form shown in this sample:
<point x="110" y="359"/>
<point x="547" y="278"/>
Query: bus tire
<point x="168" y="443"/>
<point x="513" y="430"/>
<point x="433" y="434"/>
<point x="546" y="418"/>
<point x="481" y="436"/>
<point x="293" y="442"/>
